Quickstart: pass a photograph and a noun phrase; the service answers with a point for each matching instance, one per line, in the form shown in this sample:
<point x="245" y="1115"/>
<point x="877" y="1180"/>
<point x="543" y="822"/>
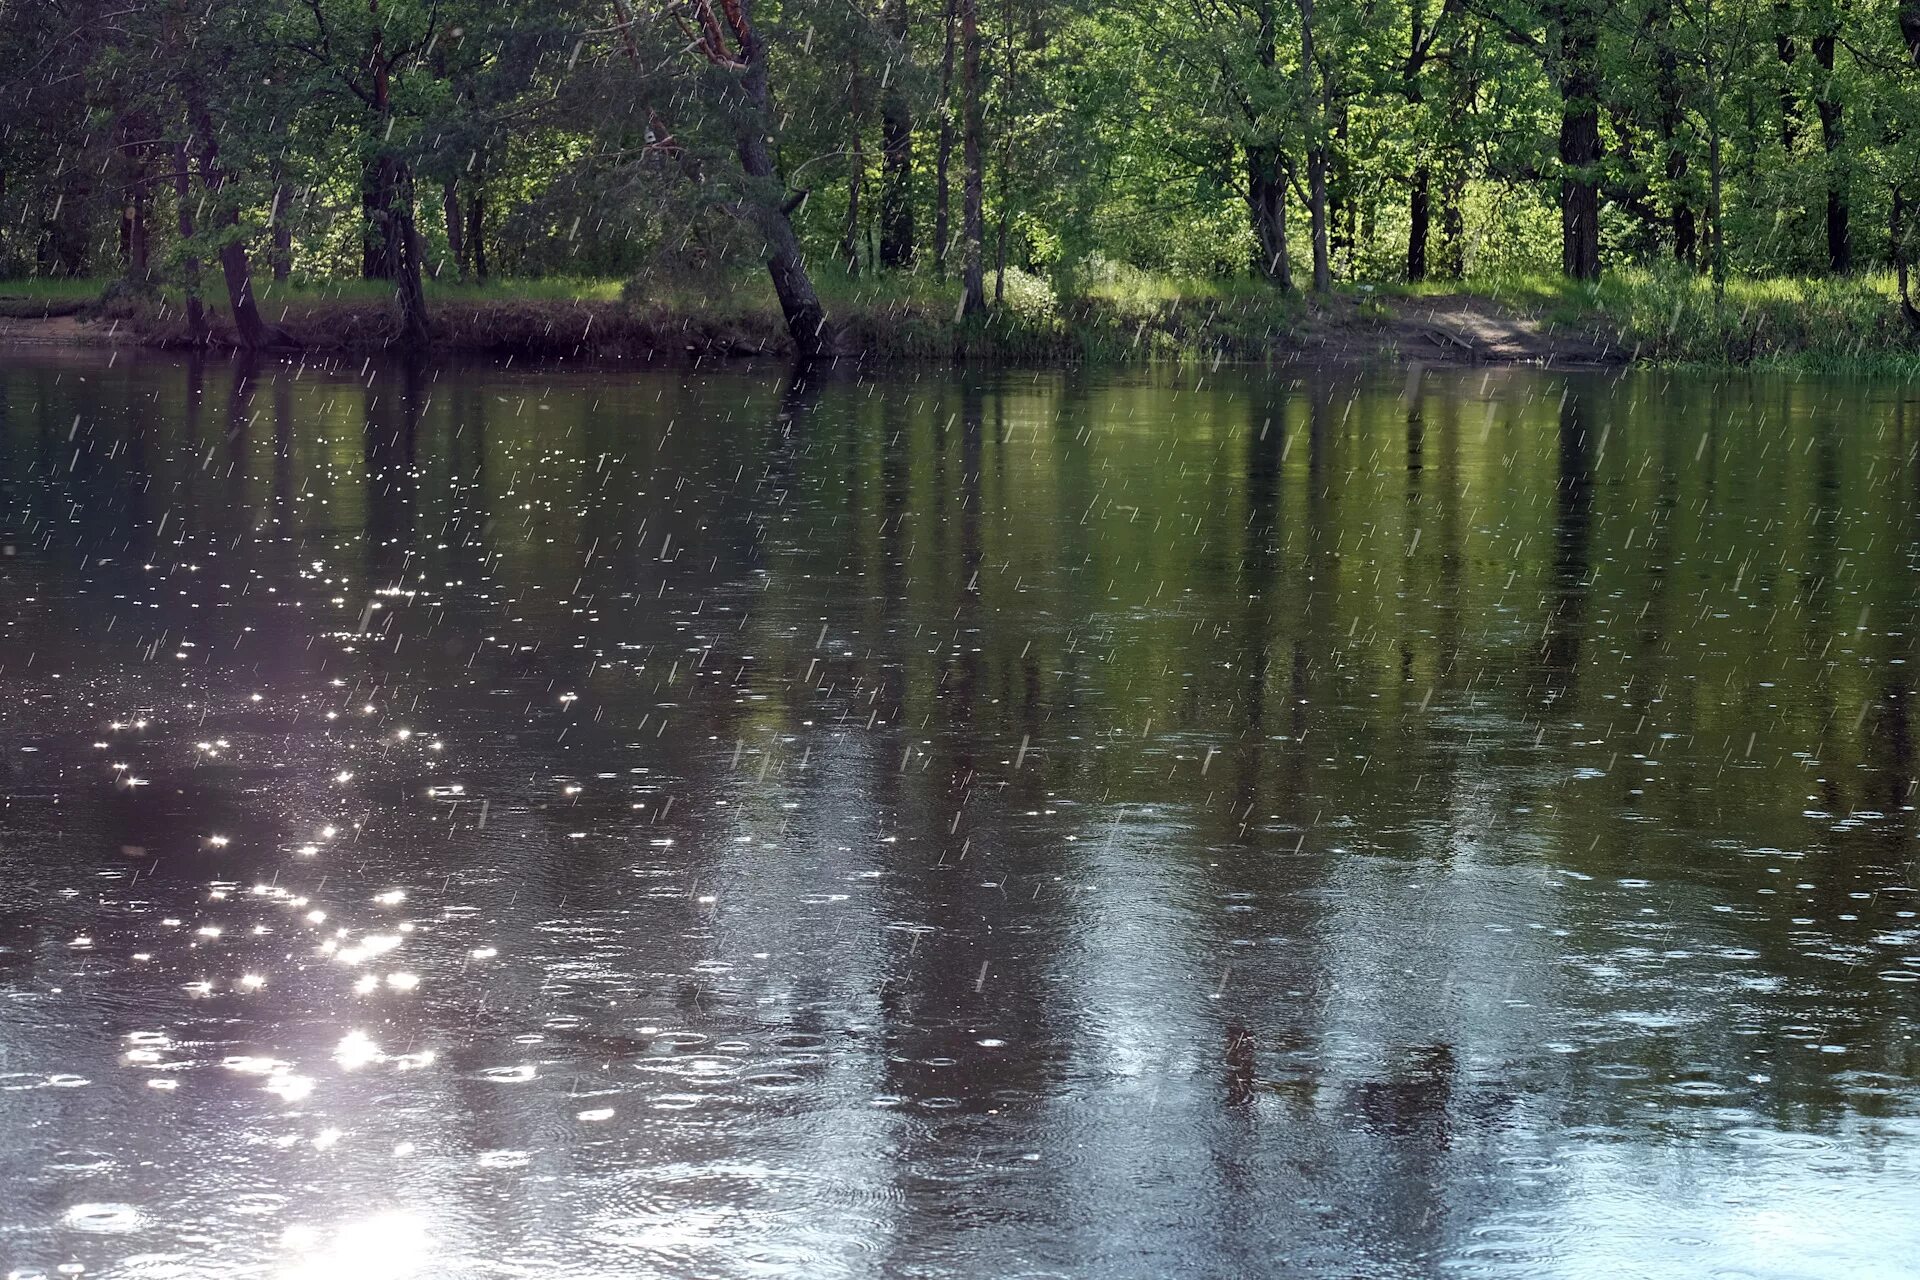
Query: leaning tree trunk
<point x="896" y="152"/>
<point x="250" y="331"/>
<point x="799" y="304"/>
<point x="1832" y="137"/>
<point x="974" y="299"/>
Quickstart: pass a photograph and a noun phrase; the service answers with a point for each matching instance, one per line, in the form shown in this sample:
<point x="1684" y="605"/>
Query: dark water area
<point x="468" y="822"/>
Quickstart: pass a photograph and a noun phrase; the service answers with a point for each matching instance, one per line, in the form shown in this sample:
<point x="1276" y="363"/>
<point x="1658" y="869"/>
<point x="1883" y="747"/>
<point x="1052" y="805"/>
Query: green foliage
<point x="1738" y="141"/>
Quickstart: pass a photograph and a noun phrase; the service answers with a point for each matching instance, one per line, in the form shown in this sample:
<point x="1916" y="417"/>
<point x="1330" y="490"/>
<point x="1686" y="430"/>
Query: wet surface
<point x="475" y="822"/>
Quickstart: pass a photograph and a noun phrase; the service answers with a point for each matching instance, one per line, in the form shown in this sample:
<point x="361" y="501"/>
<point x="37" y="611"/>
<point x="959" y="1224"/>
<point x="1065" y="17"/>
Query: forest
<point x="984" y="157"/>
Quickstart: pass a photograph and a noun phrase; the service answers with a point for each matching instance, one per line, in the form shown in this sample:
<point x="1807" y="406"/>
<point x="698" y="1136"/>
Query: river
<point x="469" y="821"/>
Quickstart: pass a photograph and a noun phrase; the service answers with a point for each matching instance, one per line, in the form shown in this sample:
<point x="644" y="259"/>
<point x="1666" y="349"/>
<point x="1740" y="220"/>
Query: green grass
<point x="1116" y="313"/>
<point x="1671" y="317"/>
<point x="36" y="297"/>
<point x="60" y="287"/>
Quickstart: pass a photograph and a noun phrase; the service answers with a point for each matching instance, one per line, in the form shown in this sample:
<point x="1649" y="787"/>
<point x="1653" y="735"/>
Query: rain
<point x="476" y="820"/>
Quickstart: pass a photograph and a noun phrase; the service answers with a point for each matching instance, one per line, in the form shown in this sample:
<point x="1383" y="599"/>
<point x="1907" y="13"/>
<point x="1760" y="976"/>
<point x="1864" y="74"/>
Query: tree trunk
<point x="135" y="242"/>
<point x="1453" y="228"/>
<point x="376" y="263"/>
<point x="402" y="249"/>
<point x="476" y="234"/>
<point x="1267" y="205"/>
<point x="282" y="255"/>
<point x="1267" y="182"/>
<point x="973" y="232"/>
<point x="1667" y="89"/>
<point x="1832" y="138"/>
<point x="189" y="264"/>
<point x="1316" y="154"/>
<point x="896" y="152"/>
<point x="799" y="304"/>
<point x="450" y="209"/>
<point x="250" y="331"/>
<point x="856" y="179"/>
<point x="1006" y="165"/>
<point x="1580" y="150"/>
<point x="1784" y="49"/>
<point x="1419" y="214"/>
<point x="1420" y="190"/>
<point x="1897" y="240"/>
<point x="943" y="156"/>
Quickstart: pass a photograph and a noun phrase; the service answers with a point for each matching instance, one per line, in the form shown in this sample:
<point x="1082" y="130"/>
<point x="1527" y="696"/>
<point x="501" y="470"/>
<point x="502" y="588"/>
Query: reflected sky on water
<point x="484" y="822"/>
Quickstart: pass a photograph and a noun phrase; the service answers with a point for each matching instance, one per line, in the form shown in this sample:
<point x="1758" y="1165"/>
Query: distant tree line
<point x="206" y="145"/>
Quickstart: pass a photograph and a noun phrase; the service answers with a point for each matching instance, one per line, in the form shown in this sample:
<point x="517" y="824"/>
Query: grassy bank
<point x="1112" y="315"/>
<point x="1674" y="319"/>
<point x="1118" y="316"/>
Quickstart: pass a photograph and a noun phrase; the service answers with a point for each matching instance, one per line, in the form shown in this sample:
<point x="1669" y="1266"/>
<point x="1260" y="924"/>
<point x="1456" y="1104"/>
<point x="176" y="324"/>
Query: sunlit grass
<point x="1109" y="312"/>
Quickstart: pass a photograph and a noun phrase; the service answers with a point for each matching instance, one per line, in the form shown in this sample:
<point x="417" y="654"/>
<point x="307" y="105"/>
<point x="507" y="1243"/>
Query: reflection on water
<point x="467" y="822"/>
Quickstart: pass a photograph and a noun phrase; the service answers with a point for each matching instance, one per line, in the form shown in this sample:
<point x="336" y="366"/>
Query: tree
<point x="896" y="145"/>
<point x="973" y="223"/>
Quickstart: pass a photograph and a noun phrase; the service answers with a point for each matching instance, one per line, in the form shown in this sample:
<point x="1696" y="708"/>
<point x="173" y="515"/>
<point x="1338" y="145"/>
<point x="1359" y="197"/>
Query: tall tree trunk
<point x="1006" y="165"/>
<point x="282" y="255"/>
<point x="404" y="247"/>
<point x="1419" y="216"/>
<point x="1580" y="150"/>
<point x="1832" y="138"/>
<point x="476" y="233"/>
<point x="1342" y="208"/>
<point x="1267" y="181"/>
<point x="896" y="151"/>
<point x="1453" y="227"/>
<point x="189" y="264"/>
<point x="1267" y="206"/>
<point x="250" y="331"/>
<point x="943" y="155"/>
<point x="131" y="171"/>
<point x="974" y="299"/>
<point x="856" y="180"/>
<point x="799" y="304"/>
<point x="135" y="240"/>
<point x="376" y="260"/>
<point x="1316" y="154"/>
<point x="1420" y="190"/>
<point x="1669" y="118"/>
<point x="1783" y="48"/>
<point x="450" y="210"/>
<point x="400" y="248"/>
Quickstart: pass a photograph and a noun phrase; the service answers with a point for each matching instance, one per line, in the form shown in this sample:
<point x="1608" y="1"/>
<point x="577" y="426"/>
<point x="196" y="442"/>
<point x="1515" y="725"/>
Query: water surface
<point x="477" y="822"/>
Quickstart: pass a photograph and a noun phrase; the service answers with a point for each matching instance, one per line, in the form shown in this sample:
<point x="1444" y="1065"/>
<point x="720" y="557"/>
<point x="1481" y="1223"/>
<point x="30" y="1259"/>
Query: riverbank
<point x="1632" y="316"/>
